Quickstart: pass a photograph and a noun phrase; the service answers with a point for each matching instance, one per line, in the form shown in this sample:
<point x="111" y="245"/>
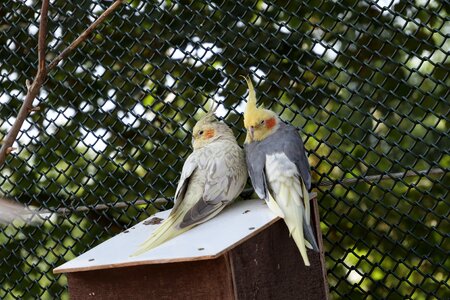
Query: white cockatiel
<point x="279" y="170"/>
<point x="212" y="177"/>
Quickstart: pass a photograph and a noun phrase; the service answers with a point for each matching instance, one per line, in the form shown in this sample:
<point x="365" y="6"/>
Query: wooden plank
<point x="269" y="266"/>
<point x="234" y="225"/>
<point x="209" y="279"/>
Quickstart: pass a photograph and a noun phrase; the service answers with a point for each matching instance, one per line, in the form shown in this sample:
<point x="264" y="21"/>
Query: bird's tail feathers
<point x="274" y="207"/>
<point x="307" y="228"/>
<point x="166" y="231"/>
<point x="294" y="215"/>
<point x="309" y="237"/>
<point x="297" y="216"/>
<point x="307" y="202"/>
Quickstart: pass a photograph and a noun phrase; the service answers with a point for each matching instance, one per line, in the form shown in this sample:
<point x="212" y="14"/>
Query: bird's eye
<point x="263" y="121"/>
<point x="200" y="132"/>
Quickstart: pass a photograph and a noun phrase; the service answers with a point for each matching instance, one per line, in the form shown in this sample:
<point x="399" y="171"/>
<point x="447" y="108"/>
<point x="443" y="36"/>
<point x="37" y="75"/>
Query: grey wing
<point x="201" y="212"/>
<point x="256" y="161"/>
<point x="294" y="149"/>
<point x="226" y="177"/>
<point x="188" y="169"/>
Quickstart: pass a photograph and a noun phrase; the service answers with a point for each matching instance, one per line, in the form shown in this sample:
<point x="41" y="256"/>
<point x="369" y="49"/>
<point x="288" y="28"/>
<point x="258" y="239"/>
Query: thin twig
<point x="372" y="178"/>
<point x="67" y="210"/>
<point x="84" y="35"/>
<point x="34" y="88"/>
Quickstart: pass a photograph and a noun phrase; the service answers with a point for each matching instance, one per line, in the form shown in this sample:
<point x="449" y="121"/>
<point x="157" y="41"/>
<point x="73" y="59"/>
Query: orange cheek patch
<point x="209" y="133"/>
<point x="271" y="123"/>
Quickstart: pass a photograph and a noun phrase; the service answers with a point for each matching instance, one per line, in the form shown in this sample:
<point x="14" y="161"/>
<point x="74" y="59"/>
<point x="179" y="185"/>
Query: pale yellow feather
<point x="273" y="206"/>
<point x="168" y="230"/>
<point x="294" y="219"/>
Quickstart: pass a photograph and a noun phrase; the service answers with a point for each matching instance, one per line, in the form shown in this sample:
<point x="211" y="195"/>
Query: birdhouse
<point x="243" y="253"/>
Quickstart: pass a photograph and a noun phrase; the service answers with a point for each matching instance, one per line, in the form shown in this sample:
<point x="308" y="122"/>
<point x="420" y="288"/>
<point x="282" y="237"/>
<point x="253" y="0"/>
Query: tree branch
<point x="42" y="72"/>
<point x="84" y="35"/>
<point x="34" y="88"/>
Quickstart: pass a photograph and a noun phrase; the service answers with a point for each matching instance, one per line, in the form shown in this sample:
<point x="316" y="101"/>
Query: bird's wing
<point x="189" y="189"/>
<point x="291" y="195"/>
<point x="292" y="145"/>
<point x="256" y="160"/>
<point x="188" y="169"/>
<point x="224" y="182"/>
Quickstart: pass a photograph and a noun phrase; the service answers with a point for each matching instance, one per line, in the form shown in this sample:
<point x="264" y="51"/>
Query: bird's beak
<point x="252" y="131"/>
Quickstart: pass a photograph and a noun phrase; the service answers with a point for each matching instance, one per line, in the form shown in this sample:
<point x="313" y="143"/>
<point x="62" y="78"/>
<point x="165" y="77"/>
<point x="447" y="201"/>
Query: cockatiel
<point x="279" y="170"/>
<point x="212" y="177"/>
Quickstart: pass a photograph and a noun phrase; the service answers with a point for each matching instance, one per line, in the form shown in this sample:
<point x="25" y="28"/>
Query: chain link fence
<point x="366" y="82"/>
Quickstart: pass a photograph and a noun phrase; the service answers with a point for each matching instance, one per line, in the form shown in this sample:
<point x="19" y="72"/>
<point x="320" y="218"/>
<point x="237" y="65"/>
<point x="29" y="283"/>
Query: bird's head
<point x="259" y="122"/>
<point x="209" y="129"/>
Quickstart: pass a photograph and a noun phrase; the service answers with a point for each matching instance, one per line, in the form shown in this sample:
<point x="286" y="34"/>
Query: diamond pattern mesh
<point x="366" y="82"/>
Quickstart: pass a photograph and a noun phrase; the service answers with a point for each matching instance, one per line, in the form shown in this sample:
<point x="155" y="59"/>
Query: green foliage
<point x="366" y="82"/>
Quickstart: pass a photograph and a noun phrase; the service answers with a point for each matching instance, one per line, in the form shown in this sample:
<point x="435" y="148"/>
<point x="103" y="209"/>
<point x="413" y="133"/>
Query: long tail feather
<point x="309" y="237"/>
<point x="294" y="220"/>
<point x="168" y="230"/>
<point x="309" y="233"/>
<point x="274" y="207"/>
<point x="293" y="206"/>
<point x="307" y="203"/>
<point x="308" y="244"/>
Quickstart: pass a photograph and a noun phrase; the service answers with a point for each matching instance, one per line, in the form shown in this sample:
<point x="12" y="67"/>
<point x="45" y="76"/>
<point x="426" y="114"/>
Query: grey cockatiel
<point x="212" y="176"/>
<point x="279" y="170"/>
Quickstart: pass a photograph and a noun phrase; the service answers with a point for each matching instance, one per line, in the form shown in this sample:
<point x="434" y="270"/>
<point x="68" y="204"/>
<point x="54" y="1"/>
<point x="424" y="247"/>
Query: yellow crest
<point x="250" y="108"/>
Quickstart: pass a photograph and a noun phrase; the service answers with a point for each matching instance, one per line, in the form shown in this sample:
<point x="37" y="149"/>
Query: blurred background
<point x="366" y="83"/>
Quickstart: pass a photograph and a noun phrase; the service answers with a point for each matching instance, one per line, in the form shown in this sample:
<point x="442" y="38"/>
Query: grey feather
<point x="309" y="236"/>
<point x="256" y="160"/>
<point x="188" y="169"/>
<point x="226" y="175"/>
<point x="201" y="212"/>
<point x="294" y="149"/>
<point x="286" y="140"/>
